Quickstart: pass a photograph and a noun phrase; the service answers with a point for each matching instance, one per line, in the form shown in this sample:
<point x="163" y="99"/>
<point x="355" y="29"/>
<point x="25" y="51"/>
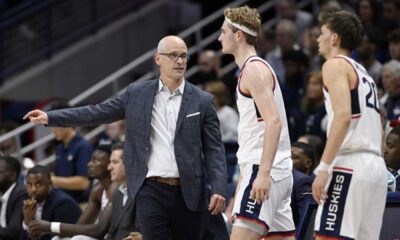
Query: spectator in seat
<point x="285" y="33"/>
<point x="391" y="12"/>
<point x="46" y="203"/>
<point x="72" y="156"/>
<point x="103" y="188"/>
<point x="392" y="154"/>
<point x="209" y="64"/>
<point x="310" y="117"/>
<point x="303" y="158"/>
<point x="366" y="54"/>
<point x="287" y="9"/>
<point x="316" y="143"/>
<point x="309" y="45"/>
<point x="13" y="194"/>
<point x="391" y="85"/>
<point x="228" y="116"/>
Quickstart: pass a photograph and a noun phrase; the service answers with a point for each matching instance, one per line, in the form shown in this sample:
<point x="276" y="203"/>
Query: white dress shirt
<point x="4" y="201"/>
<point x="162" y="161"/>
<point x="124" y="190"/>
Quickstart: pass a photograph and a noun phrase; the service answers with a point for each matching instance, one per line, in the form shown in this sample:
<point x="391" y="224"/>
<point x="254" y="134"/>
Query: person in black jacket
<point x="13" y="194"/>
<point x="46" y="202"/>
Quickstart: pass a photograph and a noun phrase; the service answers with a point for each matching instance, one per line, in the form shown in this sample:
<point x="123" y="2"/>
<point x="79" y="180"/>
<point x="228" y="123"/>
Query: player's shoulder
<point x="256" y="69"/>
<point x="336" y="63"/>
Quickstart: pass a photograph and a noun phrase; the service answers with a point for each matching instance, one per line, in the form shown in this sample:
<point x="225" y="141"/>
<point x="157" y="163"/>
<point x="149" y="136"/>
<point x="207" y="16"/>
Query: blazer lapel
<point x="186" y="100"/>
<point x="149" y="95"/>
<point x="125" y="209"/>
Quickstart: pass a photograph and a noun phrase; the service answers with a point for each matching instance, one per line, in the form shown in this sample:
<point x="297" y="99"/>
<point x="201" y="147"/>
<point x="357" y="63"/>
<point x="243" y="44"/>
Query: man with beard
<point x="46" y="202"/>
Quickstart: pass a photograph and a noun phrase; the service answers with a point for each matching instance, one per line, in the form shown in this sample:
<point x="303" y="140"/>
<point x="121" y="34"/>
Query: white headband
<point x="242" y="28"/>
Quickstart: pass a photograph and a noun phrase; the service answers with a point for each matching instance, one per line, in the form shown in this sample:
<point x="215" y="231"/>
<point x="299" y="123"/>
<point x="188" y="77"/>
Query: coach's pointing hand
<point x="37" y="117"/>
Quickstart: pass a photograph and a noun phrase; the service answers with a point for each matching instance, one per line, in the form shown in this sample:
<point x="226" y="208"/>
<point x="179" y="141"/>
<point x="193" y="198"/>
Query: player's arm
<point x="259" y="83"/>
<point x="336" y="79"/>
<point x="97" y="230"/>
<point x="71" y="183"/>
<point x="92" y="209"/>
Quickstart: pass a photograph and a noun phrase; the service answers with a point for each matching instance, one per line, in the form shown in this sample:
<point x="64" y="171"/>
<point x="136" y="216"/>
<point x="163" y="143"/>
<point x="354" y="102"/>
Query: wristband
<point x="323" y="166"/>
<point x="55" y="227"/>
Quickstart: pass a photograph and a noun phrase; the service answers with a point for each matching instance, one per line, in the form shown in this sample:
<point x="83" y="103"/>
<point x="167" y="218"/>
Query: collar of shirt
<point x="123" y="189"/>
<point x="7" y="194"/>
<point x="162" y="87"/>
<point x="396" y="173"/>
<point x="39" y="210"/>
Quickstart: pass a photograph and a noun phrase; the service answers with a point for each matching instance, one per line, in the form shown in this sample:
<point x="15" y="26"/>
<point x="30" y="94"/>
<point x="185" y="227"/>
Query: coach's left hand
<point x="217" y="204"/>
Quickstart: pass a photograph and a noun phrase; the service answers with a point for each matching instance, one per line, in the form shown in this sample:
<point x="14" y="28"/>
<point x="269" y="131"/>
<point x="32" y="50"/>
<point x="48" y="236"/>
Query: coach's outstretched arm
<point x="106" y="112"/>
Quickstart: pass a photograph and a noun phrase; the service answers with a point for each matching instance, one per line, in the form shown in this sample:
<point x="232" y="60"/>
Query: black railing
<point x="34" y="30"/>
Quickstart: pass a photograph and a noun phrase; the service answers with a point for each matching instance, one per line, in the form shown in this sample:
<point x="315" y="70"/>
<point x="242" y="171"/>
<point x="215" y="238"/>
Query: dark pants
<point x="163" y="215"/>
<point x="216" y="228"/>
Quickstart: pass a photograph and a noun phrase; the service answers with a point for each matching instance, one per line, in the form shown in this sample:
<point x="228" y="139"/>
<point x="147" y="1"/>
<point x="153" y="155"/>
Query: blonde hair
<point x="246" y="16"/>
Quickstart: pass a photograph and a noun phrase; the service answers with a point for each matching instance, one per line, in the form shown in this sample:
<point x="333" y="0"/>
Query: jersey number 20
<point x="372" y="97"/>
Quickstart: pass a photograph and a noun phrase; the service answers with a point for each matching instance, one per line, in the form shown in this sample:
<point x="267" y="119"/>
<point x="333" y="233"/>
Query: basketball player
<point x="262" y="202"/>
<point x="351" y="182"/>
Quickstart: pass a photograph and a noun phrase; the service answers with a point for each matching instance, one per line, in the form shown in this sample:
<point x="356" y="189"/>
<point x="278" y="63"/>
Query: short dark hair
<point x="104" y="147"/>
<point x="395" y="131"/>
<point x="307" y="149"/>
<point x="347" y="26"/>
<point x="118" y="146"/>
<point x="12" y="164"/>
<point x="40" y="169"/>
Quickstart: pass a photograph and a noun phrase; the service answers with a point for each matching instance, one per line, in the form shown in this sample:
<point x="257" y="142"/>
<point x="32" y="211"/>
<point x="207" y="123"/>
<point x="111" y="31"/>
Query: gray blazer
<point x="197" y="142"/>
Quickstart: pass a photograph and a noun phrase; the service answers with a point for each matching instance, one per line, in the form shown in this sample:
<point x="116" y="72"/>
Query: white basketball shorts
<point x="271" y="218"/>
<point x="356" y="191"/>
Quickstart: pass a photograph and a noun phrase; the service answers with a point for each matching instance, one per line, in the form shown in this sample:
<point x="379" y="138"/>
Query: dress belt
<point x="169" y="181"/>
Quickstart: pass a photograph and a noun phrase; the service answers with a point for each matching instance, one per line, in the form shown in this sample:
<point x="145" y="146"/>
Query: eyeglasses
<point x="175" y="56"/>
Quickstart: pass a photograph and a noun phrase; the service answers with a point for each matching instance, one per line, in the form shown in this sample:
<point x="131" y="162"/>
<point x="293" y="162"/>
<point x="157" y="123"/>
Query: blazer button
<point x="147" y="149"/>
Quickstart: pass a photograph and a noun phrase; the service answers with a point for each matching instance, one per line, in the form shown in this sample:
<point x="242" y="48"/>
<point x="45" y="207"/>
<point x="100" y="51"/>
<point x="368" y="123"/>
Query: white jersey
<point x="251" y="129"/>
<point x="365" y="131"/>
